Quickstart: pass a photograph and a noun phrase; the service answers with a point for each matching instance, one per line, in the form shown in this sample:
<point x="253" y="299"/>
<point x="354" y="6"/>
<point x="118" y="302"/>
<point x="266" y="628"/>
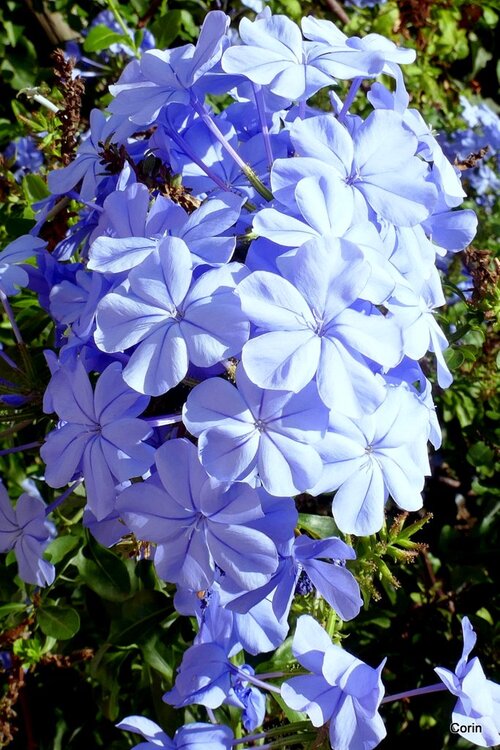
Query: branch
<point x="336" y="8"/>
<point x="53" y="24"/>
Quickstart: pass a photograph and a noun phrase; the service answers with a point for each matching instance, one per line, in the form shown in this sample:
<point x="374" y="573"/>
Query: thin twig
<point x="336" y="8"/>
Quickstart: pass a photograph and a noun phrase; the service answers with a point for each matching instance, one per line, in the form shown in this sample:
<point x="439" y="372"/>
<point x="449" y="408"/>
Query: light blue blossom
<point x="165" y="76"/>
<point x="308" y="327"/>
<point x="195" y="736"/>
<point x="26" y="530"/>
<point x="12" y="276"/>
<point x="171" y="320"/>
<point x="341" y="689"/>
<point x="198" y="524"/>
<point x="245" y="432"/>
<point x="477" y="710"/>
<point x="368" y="459"/>
<point x="393" y="182"/>
<point x="99" y="436"/>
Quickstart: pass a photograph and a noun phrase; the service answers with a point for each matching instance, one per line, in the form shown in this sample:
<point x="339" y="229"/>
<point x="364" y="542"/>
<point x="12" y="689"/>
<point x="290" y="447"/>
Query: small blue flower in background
<point x="483" y="131"/>
<point x="25" y="156"/>
<point x="12" y="276"/>
<point x="341" y="689"/>
<point x="26" y="530"/>
<point x="88" y="68"/>
<point x="478" y="705"/>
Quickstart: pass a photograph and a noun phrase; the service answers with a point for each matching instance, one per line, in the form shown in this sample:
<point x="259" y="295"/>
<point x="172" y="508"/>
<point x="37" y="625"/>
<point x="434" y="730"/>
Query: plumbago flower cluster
<point x="277" y="263"/>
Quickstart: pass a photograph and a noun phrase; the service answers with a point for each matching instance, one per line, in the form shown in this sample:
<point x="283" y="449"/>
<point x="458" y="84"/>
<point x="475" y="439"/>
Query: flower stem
<point x="59" y="500"/>
<point x="163" y="421"/>
<point x="331" y="622"/>
<point x="276" y="732"/>
<point x="10" y="315"/>
<point x="261" y="109"/>
<point x="211" y="716"/>
<point x="258" y="683"/>
<point x="350" y="97"/>
<point x="245" y="168"/>
<point x="126" y="31"/>
<point x="303" y="737"/>
<point x="438" y="687"/>
<point x="18" y="448"/>
<point x="186" y="148"/>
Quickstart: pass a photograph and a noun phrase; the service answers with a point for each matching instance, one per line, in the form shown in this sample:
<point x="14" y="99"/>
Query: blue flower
<point x="162" y="77"/>
<point x="204" y="677"/>
<point x="477" y="711"/>
<point x="25" y="155"/>
<point x="393" y="182"/>
<point x="26" y="530"/>
<point x="274" y="54"/>
<point x="130" y="229"/>
<point x="12" y="277"/>
<point x="171" y="320"/>
<point x="87" y="167"/>
<point x="195" y="736"/>
<point x="247" y="432"/>
<point x="368" y="459"/>
<point x="247" y="697"/>
<point x="341" y="689"/>
<point x="198" y="524"/>
<point x="99" y="437"/>
<point x="304" y="569"/>
<point x="307" y="327"/>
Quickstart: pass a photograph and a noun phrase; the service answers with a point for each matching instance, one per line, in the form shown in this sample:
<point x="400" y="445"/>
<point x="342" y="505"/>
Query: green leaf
<point x="140" y="615"/>
<point x="291" y="715"/>
<point x="104" y="572"/>
<point x="490" y="17"/>
<point x="175" y="23"/>
<point x="152" y="656"/>
<point x="101" y="37"/>
<point x="61" y="623"/>
<point x="485" y="615"/>
<point x="480" y="454"/>
<point x="34" y="188"/>
<point x="59" y="548"/>
<point x="318" y="526"/>
<point x="8" y="609"/>
<point x="453" y="358"/>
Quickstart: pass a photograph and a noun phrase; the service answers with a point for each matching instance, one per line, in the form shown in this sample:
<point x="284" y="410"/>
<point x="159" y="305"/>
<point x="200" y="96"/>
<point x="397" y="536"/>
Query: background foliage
<point x="105" y="641"/>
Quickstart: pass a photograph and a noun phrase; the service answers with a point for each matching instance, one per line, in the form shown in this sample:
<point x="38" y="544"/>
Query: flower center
<point x="355" y="176"/>
<point x="260" y="425"/>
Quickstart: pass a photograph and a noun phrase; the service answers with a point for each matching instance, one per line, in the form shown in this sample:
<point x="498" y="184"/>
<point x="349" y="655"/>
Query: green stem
<point x="331" y="622"/>
<point x="114" y="9"/>
<point x="286" y="741"/>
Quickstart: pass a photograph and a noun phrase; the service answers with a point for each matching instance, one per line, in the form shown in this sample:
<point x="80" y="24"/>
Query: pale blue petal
<point x="159" y="363"/>
<point x="358" y="506"/>
<point x="282" y="360"/>
<point x="212" y="402"/>
<point x="228" y="451"/>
